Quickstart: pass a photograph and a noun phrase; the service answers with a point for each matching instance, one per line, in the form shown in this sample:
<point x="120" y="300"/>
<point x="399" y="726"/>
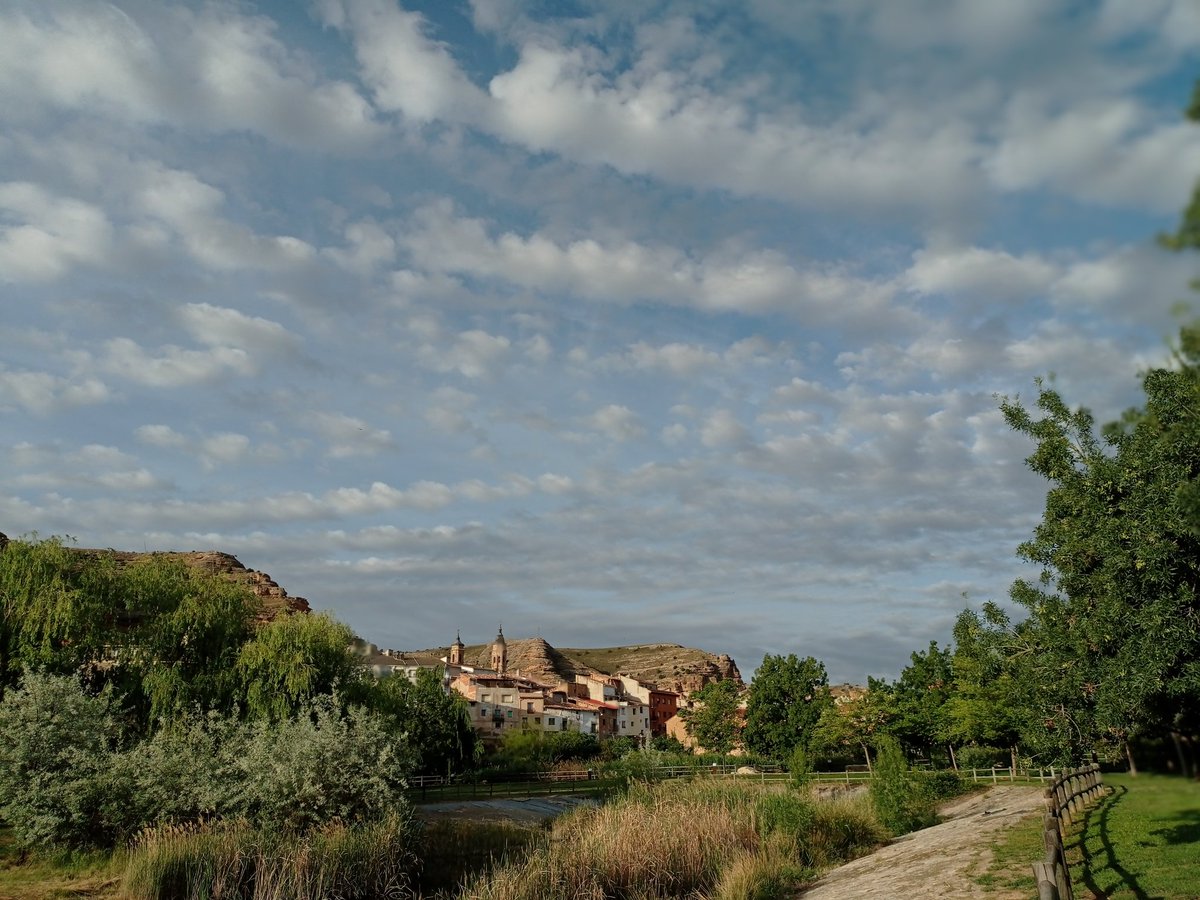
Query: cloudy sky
<point x="615" y="322"/>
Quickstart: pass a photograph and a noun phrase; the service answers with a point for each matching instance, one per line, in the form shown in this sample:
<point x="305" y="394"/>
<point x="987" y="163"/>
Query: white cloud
<point x="407" y="71"/>
<point x="43" y="393"/>
<point x="187" y="204"/>
<point x="209" y="70"/>
<point x="722" y="429"/>
<point x="473" y="354"/>
<point x="225" y="448"/>
<point x="979" y="272"/>
<point x="218" y="326"/>
<point x="617" y="422"/>
<point x="42" y="236"/>
<point x="349" y="436"/>
<point x="628" y="272"/>
<point x="160" y="436"/>
<point x="173" y="366"/>
<point x="368" y="247"/>
<point x="1106" y="150"/>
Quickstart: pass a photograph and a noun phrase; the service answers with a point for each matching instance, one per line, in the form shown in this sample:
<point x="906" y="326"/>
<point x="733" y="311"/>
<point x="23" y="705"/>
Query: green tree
<point x="436" y="722"/>
<point x="188" y="631"/>
<point x="901" y="800"/>
<point x="851" y="725"/>
<point x="1113" y="617"/>
<point x="995" y="682"/>
<point x="293" y="659"/>
<point x="916" y="700"/>
<point x="58" y="608"/>
<point x="712" y="721"/>
<point x="787" y="697"/>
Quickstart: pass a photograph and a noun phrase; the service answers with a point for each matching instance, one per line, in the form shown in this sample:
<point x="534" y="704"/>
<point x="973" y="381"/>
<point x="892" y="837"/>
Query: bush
<point x="58" y="782"/>
<point x="319" y="767"/>
<point x="981" y="757"/>
<point x="901" y="800"/>
<point x="943" y="784"/>
<point x="66" y="782"/>
<point x="800" y="767"/>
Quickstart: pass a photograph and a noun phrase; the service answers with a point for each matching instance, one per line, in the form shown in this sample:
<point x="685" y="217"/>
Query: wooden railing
<point x="1066" y="799"/>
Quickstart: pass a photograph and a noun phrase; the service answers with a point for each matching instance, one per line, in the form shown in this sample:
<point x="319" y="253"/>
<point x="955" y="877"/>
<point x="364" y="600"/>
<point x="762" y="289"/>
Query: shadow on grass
<point x="1186" y="832"/>
<point x="1096" y="820"/>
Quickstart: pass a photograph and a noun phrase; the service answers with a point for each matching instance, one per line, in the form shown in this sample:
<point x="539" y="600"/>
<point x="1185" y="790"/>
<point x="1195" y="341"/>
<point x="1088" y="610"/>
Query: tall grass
<point x="374" y="861"/>
<point x="727" y="840"/>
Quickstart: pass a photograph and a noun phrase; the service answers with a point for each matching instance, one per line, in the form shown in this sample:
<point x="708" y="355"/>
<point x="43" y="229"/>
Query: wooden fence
<point x="1066" y="798"/>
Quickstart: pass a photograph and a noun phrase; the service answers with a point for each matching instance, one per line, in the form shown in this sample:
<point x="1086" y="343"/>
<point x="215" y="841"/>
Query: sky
<point x="611" y="322"/>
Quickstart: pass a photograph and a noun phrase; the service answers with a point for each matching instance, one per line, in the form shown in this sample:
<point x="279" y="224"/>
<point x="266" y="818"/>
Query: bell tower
<point x="500" y="653"/>
<point x="456" y="650"/>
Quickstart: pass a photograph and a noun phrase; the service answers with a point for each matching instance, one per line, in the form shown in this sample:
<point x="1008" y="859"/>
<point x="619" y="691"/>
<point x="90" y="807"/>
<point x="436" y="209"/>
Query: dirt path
<point x="939" y="861"/>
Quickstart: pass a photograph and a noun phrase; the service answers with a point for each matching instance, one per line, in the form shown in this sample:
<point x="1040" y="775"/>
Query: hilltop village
<point x="503" y="700"/>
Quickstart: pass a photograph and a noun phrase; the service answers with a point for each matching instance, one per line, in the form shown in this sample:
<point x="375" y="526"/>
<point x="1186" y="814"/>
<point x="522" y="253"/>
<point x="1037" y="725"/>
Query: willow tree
<point x="58" y="608"/>
<point x="293" y="659"/>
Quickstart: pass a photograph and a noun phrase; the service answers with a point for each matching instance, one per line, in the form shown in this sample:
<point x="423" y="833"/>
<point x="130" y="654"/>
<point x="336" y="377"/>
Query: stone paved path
<point x="936" y="862"/>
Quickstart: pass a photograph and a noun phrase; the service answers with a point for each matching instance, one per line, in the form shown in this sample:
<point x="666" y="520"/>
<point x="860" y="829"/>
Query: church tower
<point x="456" y="650"/>
<point x="500" y="653"/>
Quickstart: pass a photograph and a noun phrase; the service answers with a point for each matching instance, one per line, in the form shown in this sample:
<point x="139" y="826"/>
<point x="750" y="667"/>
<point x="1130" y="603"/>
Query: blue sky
<point x="614" y="322"/>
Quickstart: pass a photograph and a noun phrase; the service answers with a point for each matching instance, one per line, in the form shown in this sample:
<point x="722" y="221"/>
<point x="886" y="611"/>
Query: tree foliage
<point x="436" y="723"/>
<point x="787" y="697"/>
<point x="293" y="659"/>
<point x="713" y="721"/>
<point x="1114" y="629"/>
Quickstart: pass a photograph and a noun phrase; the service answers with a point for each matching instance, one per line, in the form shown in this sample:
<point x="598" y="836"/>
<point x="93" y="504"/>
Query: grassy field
<point x="30" y="877"/>
<point x="1141" y="841"/>
<point x="1010" y="868"/>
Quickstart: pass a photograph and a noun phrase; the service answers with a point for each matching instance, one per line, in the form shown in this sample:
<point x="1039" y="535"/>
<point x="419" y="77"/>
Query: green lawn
<point x="1141" y="841"/>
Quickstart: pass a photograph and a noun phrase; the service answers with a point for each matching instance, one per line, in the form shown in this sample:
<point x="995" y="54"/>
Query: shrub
<point x="943" y="784"/>
<point x="319" y="767"/>
<point x="900" y="798"/>
<point x="64" y="781"/>
<point x="58" y="782"/>
<point x="800" y="767"/>
<point x="981" y="757"/>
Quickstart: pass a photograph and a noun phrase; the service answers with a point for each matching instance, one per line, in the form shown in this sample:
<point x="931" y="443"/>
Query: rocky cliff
<point x="671" y="667"/>
<point x="274" y="599"/>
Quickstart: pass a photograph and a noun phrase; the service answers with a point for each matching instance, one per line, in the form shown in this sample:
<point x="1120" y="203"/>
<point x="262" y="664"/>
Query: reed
<point x="726" y="840"/>
<point x="232" y="861"/>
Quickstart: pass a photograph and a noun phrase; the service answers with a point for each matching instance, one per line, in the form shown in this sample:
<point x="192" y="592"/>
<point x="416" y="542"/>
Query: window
<point x="507" y="698"/>
<point x="486" y="698"/>
<point x="550" y="720"/>
<point x="529" y="706"/>
<point x="482" y="711"/>
<point x="510" y="713"/>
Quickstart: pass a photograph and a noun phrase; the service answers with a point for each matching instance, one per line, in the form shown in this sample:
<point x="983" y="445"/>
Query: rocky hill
<point x="274" y="599"/>
<point x="672" y="667"/>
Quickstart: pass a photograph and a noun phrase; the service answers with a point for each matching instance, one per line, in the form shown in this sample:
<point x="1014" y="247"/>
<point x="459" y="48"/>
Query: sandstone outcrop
<point x="671" y="667"/>
<point x="273" y="598"/>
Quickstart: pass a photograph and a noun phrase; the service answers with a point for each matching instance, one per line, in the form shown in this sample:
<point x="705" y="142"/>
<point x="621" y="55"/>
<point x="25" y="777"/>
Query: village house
<point x="663" y="704"/>
<point x="501" y="702"/>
